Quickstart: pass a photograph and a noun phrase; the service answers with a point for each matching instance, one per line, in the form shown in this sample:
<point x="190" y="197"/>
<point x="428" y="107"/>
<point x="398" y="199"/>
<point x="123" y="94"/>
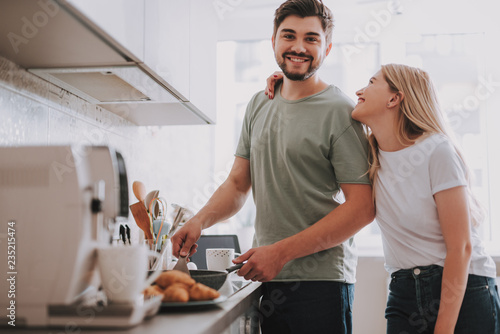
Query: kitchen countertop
<point x="213" y="320"/>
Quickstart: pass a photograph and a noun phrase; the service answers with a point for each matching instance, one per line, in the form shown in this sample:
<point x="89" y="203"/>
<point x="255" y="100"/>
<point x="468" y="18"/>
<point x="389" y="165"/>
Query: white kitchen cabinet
<point x="122" y="20"/>
<point x="173" y="41"/>
<point x="181" y="46"/>
<point x="203" y="57"/>
<point x="166" y="42"/>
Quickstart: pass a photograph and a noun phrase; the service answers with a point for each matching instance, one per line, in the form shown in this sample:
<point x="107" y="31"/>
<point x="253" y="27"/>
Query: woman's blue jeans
<point x="415" y="298"/>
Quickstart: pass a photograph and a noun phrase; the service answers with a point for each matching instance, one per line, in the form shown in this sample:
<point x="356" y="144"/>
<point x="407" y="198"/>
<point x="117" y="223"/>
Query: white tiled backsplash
<point x="177" y="160"/>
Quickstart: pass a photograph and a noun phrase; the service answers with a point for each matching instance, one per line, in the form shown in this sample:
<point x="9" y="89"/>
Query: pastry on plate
<point x="177" y="292"/>
<point x="202" y="292"/>
<point x="170" y="277"/>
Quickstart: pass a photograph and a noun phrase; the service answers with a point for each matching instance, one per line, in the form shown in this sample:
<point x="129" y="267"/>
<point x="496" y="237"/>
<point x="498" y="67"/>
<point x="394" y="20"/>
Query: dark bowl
<point x="211" y="278"/>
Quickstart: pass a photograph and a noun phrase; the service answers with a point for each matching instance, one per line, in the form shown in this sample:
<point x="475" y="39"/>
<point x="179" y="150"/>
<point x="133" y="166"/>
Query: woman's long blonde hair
<point x="419" y="114"/>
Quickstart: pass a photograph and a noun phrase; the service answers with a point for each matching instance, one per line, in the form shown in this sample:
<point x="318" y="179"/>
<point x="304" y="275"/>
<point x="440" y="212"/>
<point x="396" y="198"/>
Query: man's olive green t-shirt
<point x="300" y="152"/>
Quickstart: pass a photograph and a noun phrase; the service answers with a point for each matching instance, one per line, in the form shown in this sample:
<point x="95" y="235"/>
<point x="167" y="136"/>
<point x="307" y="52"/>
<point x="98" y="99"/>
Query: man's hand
<point x="184" y="240"/>
<point x="263" y="263"/>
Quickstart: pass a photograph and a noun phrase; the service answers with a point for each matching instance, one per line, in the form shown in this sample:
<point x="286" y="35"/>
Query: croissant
<point x="153" y="290"/>
<point x="170" y="277"/>
<point x="177" y="292"/>
<point x="202" y="292"/>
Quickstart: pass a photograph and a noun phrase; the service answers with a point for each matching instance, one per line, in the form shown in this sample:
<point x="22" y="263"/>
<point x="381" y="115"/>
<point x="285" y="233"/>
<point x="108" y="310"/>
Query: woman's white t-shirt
<point x="406" y="210"/>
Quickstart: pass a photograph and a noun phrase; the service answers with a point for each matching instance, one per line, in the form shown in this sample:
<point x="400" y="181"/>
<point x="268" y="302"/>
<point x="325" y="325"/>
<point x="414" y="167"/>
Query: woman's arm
<point x="265" y="262"/>
<point x="453" y="211"/>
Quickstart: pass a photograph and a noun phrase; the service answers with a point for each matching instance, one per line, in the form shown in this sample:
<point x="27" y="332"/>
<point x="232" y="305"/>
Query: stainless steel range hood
<point x="55" y="41"/>
<point x="100" y="85"/>
<point x="126" y="91"/>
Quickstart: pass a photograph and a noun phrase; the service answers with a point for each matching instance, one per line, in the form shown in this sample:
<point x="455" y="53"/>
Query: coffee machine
<point x="58" y="204"/>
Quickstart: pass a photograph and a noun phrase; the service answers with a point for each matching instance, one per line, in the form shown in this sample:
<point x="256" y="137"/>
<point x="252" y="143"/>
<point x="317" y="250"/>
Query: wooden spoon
<point x="142" y="219"/>
<point x="147" y="200"/>
<point x="139" y="191"/>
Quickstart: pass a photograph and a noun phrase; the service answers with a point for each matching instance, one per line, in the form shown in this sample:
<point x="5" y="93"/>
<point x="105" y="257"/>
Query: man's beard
<point x="298" y="76"/>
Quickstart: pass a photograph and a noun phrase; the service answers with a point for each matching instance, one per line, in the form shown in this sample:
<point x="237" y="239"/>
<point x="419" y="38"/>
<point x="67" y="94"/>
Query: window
<point x="455" y="63"/>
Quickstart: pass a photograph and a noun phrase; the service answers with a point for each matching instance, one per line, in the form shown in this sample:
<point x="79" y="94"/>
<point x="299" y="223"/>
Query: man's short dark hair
<point x="305" y="8"/>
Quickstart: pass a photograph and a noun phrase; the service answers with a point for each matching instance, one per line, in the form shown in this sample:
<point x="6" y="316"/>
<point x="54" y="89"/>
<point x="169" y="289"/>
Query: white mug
<point x="220" y="258"/>
<point x="124" y="271"/>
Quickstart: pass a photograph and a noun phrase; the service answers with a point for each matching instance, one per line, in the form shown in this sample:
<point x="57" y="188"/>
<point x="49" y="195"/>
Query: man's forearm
<point x="224" y="203"/>
<point x="333" y="229"/>
<point x="265" y="262"/>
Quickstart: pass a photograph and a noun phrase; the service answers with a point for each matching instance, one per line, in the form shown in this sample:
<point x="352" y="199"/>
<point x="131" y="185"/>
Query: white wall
<point x="370" y="296"/>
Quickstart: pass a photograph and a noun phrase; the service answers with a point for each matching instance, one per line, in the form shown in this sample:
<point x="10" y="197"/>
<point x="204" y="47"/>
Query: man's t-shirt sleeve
<point x="244" y="144"/>
<point x="349" y="156"/>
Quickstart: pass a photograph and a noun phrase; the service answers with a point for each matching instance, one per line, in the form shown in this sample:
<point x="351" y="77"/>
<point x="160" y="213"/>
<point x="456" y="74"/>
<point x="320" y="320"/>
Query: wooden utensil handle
<point x="142" y="218"/>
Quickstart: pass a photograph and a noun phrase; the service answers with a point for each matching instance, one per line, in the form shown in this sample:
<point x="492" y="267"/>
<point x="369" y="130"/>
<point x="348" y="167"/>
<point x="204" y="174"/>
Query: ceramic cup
<point x="220" y="258"/>
<point x="124" y="271"/>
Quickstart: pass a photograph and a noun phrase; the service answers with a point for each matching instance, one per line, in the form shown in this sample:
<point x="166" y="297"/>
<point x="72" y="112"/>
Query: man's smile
<point x="296" y="58"/>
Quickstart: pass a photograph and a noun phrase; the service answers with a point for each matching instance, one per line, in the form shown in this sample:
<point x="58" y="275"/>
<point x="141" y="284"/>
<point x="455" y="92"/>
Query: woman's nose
<point x="359" y="92"/>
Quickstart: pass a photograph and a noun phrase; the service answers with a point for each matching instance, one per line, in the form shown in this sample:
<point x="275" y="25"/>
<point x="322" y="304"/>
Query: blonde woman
<point x="442" y="281"/>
